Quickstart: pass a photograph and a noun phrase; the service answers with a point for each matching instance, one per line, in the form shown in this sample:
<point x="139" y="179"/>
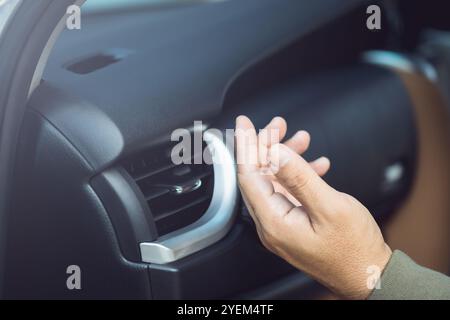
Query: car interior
<point x="94" y="185"/>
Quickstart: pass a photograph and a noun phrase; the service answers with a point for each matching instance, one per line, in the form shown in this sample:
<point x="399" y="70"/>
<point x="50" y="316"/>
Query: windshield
<point x="98" y="6"/>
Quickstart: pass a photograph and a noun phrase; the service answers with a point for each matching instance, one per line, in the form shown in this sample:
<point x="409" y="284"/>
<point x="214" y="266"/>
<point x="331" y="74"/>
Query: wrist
<point x="373" y="273"/>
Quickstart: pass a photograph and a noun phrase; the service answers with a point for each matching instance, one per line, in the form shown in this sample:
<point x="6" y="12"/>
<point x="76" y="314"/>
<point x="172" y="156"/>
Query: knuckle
<point x="272" y="238"/>
<point x="266" y="243"/>
<point x="347" y="204"/>
<point x="298" y="181"/>
<point x="348" y="201"/>
<point x="272" y="226"/>
<point x="263" y="240"/>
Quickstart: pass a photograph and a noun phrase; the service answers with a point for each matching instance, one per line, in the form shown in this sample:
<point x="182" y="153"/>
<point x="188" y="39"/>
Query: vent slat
<point x="158" y="186"/>
<point x="155" y="192"/>
<point x="150" y="167"/>
<point x="178" y="221"/>
<point x="158" y="192"/>
<point x="165" y="178"/>
<point x="152" y="173"/>
<point x="167" y="214"/>
<point x="167" y="190"/>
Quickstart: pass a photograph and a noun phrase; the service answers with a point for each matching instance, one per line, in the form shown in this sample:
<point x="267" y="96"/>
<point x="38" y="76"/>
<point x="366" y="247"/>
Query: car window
<point x="7" y="8"/>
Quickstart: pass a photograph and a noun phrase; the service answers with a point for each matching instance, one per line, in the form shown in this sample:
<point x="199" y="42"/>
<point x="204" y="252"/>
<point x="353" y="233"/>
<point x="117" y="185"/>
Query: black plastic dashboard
<point x="168" y="68"/>
<point x="180" y="64"/>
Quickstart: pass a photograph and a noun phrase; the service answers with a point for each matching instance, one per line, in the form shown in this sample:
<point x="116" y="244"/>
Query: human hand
<point x="298" y="216"/>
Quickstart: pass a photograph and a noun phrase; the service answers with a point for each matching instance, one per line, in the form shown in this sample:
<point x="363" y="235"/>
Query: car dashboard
<point x="93" y="162"/>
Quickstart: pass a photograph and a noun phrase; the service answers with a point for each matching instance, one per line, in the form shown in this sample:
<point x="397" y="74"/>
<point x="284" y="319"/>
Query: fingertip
<point x="323" y="160"/>
<point x="302" y="135"/>
<point x="326" y="161"/>
<point x="240" y="119"/>
<point x="272" y="133"/>
<point x="321" y="165"/>
<point x="243" y="122"/>
<point x="279" y="120"/>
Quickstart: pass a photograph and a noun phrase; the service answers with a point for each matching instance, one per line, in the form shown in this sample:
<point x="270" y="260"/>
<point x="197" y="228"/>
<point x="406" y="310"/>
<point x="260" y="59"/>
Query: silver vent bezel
<point x="214" y="224"/>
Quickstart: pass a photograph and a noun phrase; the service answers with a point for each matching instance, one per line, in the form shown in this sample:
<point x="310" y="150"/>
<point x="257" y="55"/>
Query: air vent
<point x="177" y="195"/>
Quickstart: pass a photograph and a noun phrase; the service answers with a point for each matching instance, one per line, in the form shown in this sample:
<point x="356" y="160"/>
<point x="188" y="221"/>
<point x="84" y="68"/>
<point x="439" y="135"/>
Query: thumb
<point x="297" y="176"/>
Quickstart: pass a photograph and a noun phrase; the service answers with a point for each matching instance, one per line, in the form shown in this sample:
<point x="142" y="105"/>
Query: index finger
<point x="246" y="145"/>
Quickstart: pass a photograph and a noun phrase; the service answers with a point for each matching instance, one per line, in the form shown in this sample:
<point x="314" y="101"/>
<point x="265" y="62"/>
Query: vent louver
<point x="189" y="190"/>
<point x="177" y="195"/>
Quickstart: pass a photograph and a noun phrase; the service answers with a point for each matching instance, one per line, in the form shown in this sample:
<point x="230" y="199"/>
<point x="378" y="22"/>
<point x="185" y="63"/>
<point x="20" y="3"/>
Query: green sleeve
<point x="404" y="279"/>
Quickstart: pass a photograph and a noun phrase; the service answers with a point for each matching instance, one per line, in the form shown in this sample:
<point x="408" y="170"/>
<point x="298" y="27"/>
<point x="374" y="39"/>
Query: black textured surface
<point x="182" y="63"/>
<point x="59" y="221"/>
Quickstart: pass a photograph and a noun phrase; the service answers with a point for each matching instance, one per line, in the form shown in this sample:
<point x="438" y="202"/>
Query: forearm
<point x="404" y="279"/>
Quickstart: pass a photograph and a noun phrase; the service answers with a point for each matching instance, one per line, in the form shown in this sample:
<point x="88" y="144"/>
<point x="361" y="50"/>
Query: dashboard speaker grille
<point x="177" y="195"/>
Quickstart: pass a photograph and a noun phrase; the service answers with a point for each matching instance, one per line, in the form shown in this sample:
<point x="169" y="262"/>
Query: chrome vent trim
<point x="213" y="225"/>
<point x="402" y="62"/>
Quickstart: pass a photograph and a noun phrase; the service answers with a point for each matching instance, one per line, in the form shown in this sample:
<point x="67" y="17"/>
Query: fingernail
<point x="322" y="160"/>
<point x="277" y="118"/>
<point x="302" y="134"/>
<point x="238" y="120"/>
